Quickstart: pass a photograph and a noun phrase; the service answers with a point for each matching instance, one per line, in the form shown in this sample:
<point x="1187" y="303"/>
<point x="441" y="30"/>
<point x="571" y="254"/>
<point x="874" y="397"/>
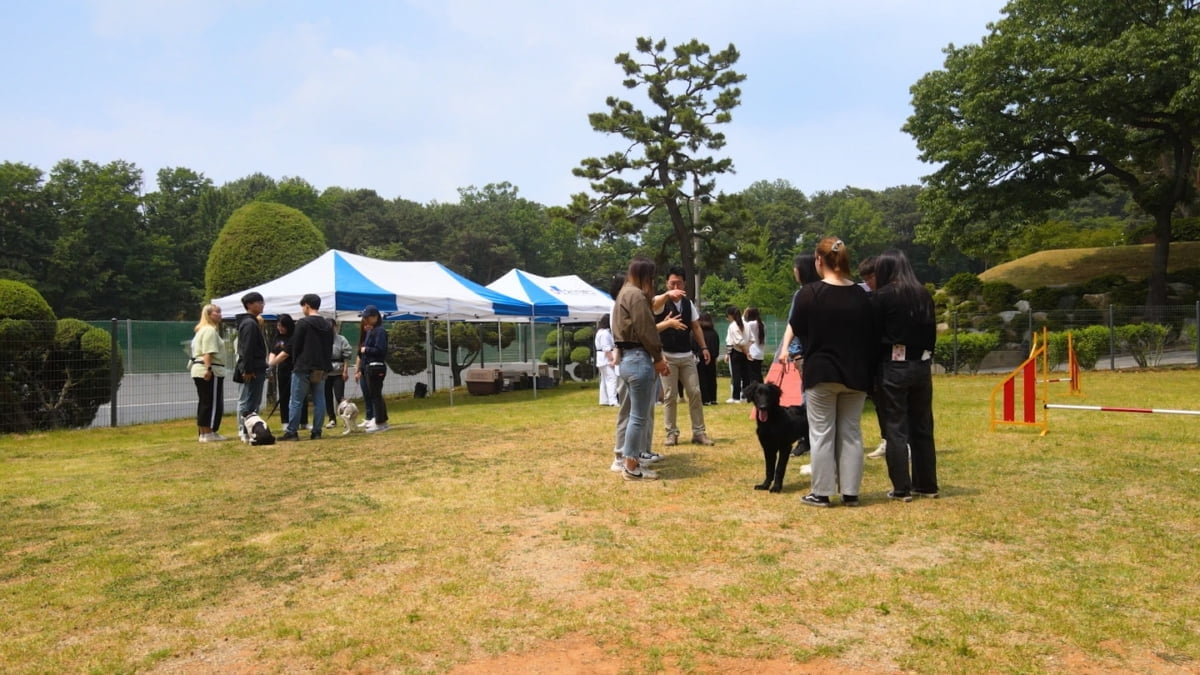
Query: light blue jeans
<point x="641" y="382"/>
<point x="300" y="390"/>
<point x="250" y="396"/>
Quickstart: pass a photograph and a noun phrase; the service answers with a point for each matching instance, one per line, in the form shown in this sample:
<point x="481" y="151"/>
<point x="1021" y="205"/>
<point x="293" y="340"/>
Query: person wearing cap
<point x="251" y="356"/>
<point x="373" y="352"/>
<point x="309" y="352"/>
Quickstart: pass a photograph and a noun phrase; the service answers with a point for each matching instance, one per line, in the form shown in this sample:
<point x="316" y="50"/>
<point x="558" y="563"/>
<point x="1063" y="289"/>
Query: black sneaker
<point x="314" y="437"/>
<point x="902" y="496"/>
<point x="849" y="500"/>
<point x="290" y="436"/>
<point x="927" y="495"/>
<point x="813" y="500"/>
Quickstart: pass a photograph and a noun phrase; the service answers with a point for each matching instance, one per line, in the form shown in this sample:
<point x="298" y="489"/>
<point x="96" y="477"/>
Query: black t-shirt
<point x="836" y="325"/>
<point x="904" y="322"/>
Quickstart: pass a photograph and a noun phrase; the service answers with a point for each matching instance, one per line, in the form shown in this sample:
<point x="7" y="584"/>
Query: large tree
<point x="691" y="90"/>
<point x="1059" y="95"/>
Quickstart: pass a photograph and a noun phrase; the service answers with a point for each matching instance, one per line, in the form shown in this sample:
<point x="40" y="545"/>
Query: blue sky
<point x="417" y="99"/>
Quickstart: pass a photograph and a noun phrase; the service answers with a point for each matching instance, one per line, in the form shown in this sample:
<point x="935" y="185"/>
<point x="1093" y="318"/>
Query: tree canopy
<point x="1059" y="96"/>
<point x="691" y="89"/>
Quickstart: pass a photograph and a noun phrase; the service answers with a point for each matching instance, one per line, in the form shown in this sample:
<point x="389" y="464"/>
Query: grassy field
<point x="491" y="537"/>
<point x="1077" y="265"/>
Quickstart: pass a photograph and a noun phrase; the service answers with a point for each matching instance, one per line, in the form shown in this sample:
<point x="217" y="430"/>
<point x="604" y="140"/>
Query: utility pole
<point x="696" y="236"/>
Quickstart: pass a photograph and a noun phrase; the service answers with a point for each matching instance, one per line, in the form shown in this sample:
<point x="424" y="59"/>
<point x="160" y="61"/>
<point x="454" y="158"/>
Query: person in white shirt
<point x="735" y="353"/>
<point x="756" y="336"/>
<point x="606" y="362"/>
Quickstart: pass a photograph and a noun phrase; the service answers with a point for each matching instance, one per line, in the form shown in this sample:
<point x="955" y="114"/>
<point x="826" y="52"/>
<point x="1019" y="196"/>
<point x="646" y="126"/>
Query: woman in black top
<point x="285" y="328"/>
<point x="707" y="370"/>
<point x="834" y="320"/>
<point x="908" y="332"/>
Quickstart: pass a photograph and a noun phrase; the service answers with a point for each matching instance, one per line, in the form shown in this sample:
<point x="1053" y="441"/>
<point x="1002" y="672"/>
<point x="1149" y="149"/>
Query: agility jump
<point x="1020" y="390"/>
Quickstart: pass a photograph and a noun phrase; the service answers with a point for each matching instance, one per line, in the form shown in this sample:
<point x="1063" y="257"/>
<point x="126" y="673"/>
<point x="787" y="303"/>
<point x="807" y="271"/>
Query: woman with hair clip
<point x="640" y="362"/>
<point x="735" y="353"/>
<point x="904" y="391"/>
<point x="834" y="321"/>
<point x="208" y="372"/>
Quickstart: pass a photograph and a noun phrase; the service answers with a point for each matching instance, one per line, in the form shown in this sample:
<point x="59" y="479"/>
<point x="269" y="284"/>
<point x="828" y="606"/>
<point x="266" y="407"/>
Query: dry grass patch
<point x="490" y="536"/>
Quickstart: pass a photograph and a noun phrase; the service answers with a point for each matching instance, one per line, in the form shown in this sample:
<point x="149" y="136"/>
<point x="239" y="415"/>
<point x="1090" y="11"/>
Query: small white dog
<point x="349" y="414"/>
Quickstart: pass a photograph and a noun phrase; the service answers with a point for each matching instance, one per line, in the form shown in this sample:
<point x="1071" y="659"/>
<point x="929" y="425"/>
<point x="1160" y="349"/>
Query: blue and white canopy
<point x="568" y="298"/>
<point x="347" y="283"/>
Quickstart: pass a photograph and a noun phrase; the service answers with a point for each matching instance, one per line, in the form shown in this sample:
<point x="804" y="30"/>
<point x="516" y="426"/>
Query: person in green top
<point x="208" y="372"/>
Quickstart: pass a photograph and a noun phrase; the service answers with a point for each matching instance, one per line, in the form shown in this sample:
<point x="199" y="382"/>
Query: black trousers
<point x="375" y="375"/>
<point x="211" y="406"/>
<point x="904" y="402"/>
<point x="738" y="372"/>
<point x="708" y="380"/>
<point x="335" y="391"/>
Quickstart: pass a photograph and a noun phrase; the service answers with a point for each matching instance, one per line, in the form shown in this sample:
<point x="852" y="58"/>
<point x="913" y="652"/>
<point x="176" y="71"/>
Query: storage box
<point x="483" y="381"/>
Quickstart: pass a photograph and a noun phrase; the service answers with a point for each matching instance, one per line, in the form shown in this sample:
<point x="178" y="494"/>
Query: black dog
<point x="778" y="429"/>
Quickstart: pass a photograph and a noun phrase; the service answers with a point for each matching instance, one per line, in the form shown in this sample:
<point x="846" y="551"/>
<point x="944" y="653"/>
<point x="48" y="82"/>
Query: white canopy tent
<point x="347" y="283"/>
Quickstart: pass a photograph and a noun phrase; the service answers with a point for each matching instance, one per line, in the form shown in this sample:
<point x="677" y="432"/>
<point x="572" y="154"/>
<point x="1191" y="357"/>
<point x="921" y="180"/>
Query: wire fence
<point x="122" y="372"/>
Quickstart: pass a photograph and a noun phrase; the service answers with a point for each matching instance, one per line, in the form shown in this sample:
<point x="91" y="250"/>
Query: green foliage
<point x="1038" y="113"/>
<point x="406" y="347"/>
<point x="971" y="350"/>
<point x="663" y="148"/>
<point x="56" y="373"/>
<point x="963" y="285"/>
<point x="26" y="320"/>
<point x="77" y="375"/>
<point x="584" y="336"/>
<point x="1190" y="335"/>
<point x="999" y="295"/>
<point x="581" y="355"/>
<point x="1045" y="298"/>
<point x="261" y="241"/>
<point x="1144" y="341"/>
<point x="550" y="355"/>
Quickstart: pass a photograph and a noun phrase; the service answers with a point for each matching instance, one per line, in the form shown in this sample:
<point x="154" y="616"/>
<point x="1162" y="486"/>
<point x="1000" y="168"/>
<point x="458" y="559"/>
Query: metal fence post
<point x="954" y="318"/>
<point x="1112" y="340"/>
<point x="114" y="361"/>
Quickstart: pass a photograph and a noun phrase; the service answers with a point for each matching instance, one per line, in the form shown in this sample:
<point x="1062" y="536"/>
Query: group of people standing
<point x="311" y="360"/>
<point x="849" y="339"/>
<point x="854" y="340"/>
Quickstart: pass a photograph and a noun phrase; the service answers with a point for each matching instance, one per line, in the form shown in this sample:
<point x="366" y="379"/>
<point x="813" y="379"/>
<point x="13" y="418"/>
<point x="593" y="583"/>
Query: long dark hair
<point x="806" y="268"/>
<point x="641" y="275"/>
<point x="732" y="312"/>
<point x="752" y="316"/>
<point x="893" y="270"/>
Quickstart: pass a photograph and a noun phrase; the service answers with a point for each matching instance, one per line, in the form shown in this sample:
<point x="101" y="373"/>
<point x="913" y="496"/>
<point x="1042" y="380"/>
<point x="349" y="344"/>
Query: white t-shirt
<point x="754" y="351"/>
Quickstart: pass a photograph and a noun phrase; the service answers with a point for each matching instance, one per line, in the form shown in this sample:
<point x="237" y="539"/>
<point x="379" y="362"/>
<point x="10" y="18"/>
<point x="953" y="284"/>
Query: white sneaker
<point x="331" y="424"/>
<point x="733" y="400"/>
<point x="881" y="451"/>
<point x="217" y="438"/>
<point x="377" y="427"/>
<point x="649" y="458"/>
<point x="618" y="465"/>
<point x="363" y="424"/>
<point x="806" y="470"/>
<point x="368" y="425"/>
<point x="207" y="438"/>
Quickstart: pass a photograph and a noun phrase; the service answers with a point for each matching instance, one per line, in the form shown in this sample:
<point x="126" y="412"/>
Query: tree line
<point x="96" y="246"/>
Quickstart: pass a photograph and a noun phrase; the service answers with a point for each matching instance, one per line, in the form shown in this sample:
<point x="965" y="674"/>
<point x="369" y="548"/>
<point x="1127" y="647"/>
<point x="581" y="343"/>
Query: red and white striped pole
<point x="1127" y="410"/>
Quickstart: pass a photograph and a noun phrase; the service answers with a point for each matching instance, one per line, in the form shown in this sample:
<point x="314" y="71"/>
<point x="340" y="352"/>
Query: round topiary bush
<point x="550" y="355"/>
<point x="78" y="374"/>
<point x="261" y="241"/>
<point x="26" y="320"/>
<point x="963" y="285"/>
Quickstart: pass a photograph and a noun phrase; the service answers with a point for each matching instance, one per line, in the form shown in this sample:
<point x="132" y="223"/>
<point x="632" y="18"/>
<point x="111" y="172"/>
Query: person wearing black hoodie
<point x="309" y="352"/>
<point x="251" y="356"/>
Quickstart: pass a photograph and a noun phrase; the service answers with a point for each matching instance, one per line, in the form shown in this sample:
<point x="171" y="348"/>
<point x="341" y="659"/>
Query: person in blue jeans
<point x="309" y="351"/>
<point x="641" y="361"/>
<point x="252" y="358"/>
